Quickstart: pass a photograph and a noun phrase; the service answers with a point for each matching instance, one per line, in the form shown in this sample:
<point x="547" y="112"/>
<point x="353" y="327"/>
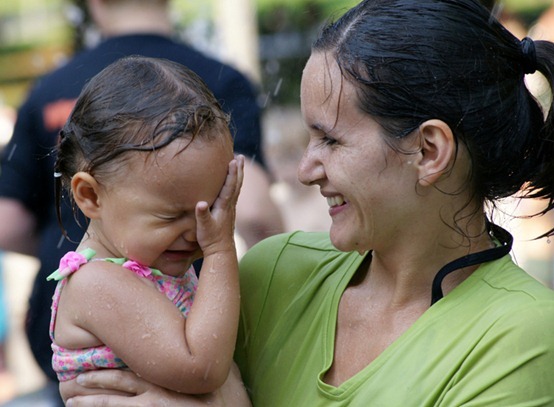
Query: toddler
<point x="147" y="156"/>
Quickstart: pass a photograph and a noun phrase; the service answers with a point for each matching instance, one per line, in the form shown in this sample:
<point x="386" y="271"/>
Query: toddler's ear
<point x="85" y="193"/>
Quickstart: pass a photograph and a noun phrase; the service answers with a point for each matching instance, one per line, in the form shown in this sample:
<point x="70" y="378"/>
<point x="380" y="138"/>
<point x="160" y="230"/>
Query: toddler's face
<point x="149" y="213"/>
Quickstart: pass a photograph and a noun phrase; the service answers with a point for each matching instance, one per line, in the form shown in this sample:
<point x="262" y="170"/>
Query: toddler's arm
<point x="145" y="329"/>
<point x="212" y="323"/>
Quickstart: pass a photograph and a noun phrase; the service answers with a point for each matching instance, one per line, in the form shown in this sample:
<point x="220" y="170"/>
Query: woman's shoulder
<point x="506" y="276"/>
<point x="294" y="249"/>
<point x="318" y="241"/>
<point x="508" y="297"/>
<point x="290" y="259"/>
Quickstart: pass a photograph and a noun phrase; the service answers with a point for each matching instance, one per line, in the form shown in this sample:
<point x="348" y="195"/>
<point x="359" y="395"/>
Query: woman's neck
<point x="403" y="272"/>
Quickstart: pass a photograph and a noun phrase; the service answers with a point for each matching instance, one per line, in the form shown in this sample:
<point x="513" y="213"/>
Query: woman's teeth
<point x="335" y="201"/>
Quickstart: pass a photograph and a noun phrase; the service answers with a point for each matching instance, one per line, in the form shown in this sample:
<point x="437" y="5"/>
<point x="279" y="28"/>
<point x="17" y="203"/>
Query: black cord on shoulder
<point x="500" y="234"/>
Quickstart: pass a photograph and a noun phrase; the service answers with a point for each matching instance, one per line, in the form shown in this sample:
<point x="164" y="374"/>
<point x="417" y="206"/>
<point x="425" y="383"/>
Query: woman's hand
<point x="141" y="393"/>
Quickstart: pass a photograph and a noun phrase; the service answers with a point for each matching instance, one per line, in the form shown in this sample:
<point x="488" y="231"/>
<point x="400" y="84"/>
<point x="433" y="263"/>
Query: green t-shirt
<point x="489" y="342"/>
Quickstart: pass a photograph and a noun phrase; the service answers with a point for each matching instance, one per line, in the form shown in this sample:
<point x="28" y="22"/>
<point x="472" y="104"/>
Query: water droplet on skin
<point x="207" y="372"/>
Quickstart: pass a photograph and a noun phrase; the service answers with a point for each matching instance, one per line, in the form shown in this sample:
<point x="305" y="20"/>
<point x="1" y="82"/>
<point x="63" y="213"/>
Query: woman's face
<point x="368" y="186"/>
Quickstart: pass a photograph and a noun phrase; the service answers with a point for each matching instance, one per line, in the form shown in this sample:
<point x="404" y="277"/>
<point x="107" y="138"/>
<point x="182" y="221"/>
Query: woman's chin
<point x="339" y="241"/>
<point x="346" y="243"/>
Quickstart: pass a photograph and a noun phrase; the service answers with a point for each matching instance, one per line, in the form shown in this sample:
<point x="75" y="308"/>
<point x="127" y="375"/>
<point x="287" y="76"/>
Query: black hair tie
<point x="529" y="53"/>
<point x="503" y="236"/>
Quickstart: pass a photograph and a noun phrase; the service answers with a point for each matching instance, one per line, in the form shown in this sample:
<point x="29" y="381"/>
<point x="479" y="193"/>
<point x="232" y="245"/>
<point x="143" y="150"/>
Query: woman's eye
<point x="326" y="140"/>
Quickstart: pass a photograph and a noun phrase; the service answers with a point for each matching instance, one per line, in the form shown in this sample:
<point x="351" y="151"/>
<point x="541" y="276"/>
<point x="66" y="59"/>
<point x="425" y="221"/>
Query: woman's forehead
<point x="325" y="93"/>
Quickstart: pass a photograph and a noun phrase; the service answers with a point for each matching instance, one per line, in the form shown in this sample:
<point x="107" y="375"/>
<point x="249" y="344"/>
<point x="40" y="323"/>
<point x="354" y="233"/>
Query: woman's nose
<point x="310" y="168"/>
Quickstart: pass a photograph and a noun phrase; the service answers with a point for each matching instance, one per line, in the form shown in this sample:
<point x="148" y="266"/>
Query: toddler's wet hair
<point x="134" y="104"/>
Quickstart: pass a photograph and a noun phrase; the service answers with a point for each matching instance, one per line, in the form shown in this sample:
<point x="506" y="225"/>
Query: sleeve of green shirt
<point x="512" y="364"/>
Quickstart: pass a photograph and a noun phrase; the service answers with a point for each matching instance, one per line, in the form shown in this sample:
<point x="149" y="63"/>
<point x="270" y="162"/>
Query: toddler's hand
<point x="215" y="227"/>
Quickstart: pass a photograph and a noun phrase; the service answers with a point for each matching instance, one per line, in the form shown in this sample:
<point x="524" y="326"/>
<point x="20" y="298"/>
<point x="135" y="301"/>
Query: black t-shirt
<point x="27" y="161"/>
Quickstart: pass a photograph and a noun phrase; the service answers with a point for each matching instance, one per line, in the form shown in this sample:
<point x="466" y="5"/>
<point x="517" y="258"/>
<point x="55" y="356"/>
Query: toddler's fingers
<point x="231" y="188"/>
<point x="236" y="176"/>
<point x="202" y="210"/>
<point x="240" y="175"/>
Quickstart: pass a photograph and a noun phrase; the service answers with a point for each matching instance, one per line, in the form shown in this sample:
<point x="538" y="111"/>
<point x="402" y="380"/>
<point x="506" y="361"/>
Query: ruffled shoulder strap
<point x="70" y="263"/>
<point x="137" y="268"/>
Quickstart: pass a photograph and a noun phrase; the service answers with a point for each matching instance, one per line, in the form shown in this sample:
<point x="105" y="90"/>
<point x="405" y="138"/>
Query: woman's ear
<point x="85" y="193"/>
<point x="438" y="150"/>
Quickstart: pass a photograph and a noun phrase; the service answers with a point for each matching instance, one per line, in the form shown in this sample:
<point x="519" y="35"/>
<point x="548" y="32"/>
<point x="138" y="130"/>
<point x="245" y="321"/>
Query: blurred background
<point x="269" y="41"/>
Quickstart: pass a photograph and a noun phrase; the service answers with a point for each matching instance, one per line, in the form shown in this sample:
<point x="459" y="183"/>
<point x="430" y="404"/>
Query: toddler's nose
<point x="189" y="236"/>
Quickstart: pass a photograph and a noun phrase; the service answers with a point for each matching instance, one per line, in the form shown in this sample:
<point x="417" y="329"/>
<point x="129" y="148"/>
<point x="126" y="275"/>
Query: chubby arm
<point x="145" y="329"/>
<point x="212" y="323"/>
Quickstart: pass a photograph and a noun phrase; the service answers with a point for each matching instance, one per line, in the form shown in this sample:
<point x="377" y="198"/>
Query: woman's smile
<point x="335" y="201"/>
<point x="337" y="204"/>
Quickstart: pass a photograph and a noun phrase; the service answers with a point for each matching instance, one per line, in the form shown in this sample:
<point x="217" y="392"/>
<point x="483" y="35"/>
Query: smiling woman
<point x="414" y="281"/>
<point x="363" y="180"/>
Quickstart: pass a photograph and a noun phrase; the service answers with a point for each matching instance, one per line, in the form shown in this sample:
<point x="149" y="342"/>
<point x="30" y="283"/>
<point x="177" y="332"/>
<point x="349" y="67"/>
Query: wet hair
<point x="136" y="104"/>
<point x="490" y="4"/>
<point x="416" y="60"/>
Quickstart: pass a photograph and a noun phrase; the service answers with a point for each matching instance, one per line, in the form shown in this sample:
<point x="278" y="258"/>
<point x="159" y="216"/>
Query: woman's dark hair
<point x="134" y="104"/>
<point x="415" y="60"/>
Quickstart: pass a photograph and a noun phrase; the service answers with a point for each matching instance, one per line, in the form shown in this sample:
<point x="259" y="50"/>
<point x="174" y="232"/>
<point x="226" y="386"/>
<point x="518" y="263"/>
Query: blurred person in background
<point x="542" y="29"/>
<point x="539" y="254"/>
<point x="532" y="254"/>
<point x="7" y="119"/>
<point x="28" y="221"/>
<point x="508" y="19"/>
<point x="285" y="139"/>
<point x="6" y="379"/>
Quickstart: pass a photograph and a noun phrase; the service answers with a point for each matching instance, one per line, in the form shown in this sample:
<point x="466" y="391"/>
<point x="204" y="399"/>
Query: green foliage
<point x="275" y="15"/>
<point x="526" y="6"/>
<point x="288" y="28"/>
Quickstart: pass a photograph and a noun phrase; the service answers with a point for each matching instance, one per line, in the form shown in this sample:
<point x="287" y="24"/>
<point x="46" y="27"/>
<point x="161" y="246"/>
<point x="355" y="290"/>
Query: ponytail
<point x="541" y="182"/>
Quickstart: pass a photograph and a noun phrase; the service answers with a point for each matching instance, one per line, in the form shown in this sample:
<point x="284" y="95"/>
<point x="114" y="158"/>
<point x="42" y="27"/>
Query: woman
<point x="419" y="121"/>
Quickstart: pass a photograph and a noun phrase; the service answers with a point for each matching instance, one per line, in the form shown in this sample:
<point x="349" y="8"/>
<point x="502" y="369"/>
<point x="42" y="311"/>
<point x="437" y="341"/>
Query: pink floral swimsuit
<point x="68" y="363"/>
